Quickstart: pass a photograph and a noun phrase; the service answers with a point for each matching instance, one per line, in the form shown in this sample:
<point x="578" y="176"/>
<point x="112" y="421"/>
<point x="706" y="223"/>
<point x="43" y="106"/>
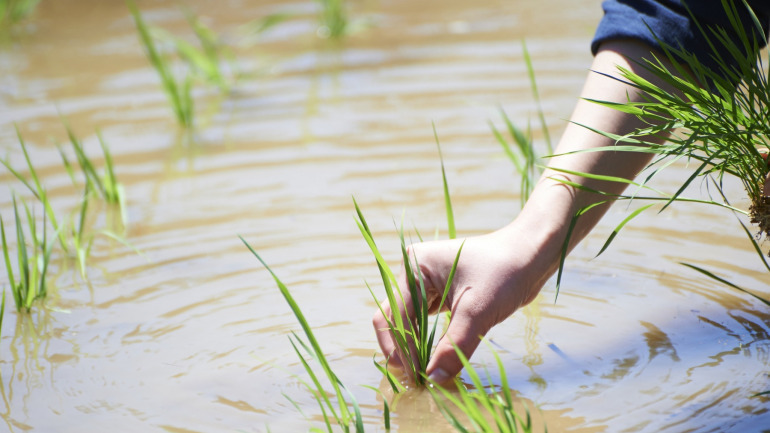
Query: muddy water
<point x="191" y="336"/>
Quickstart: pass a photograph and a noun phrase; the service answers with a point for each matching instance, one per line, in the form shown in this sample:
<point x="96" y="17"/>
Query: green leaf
<point x="536" y="95"/>
<point x="625" y="221"/>
<point x="725" y="282"/>
<point x="447" y="201"/>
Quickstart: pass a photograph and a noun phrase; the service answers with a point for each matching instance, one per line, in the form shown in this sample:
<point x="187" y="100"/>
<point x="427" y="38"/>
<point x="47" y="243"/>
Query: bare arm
<point x="504" y="270"/>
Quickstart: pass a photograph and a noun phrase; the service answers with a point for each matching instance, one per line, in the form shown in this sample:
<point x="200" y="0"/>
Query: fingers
<point x="385" y="339"/>
<point x="445" y="363"/>
<point x="391" y="343"/>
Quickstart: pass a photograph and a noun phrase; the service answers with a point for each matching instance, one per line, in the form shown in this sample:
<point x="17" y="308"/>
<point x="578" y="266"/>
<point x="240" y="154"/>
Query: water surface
<point x="192" y="336"/>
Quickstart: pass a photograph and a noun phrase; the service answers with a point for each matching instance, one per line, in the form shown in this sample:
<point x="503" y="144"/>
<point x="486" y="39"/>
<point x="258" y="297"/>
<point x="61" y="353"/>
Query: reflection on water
<point x="191" y="336"/>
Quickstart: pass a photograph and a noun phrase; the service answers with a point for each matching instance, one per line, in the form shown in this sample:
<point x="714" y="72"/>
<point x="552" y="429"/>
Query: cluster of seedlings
<point x="721" y="130"/>
<point x="36" y="241"/>
<point x="725" y="131"/>
<point x="181" y="64"/>
<point x="481" y="411"/>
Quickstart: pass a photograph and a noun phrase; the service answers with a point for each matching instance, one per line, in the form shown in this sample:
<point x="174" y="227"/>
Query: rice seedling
<point x="37" y="190"/>
<point x="342" y="407"/>
<point x="450" y="217"/>
<point x="82" y="240"/>
<point x="81" y="244"/>
<point x="723" y="129"/>
<point x="13" y="11"/>
<point x="334" y="19"/>
<point x="204" y="62"/>
<point x="522" y="155"/>
<point x="485" y="412"/>
<point x="414" y="337"/>
<point x="106" y="185"/>
<point x="656" y="197"/>
<point x="179" y="92"/>
<point x="536" y="96"/>
<point x="32" y="259"/>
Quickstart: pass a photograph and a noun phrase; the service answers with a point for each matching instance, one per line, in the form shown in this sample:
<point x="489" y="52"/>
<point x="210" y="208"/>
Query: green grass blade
<point x="7" y="258"/>
<point x="123" y="241"/>
<point x="755" y="244"/>
<point x="39" y="191"/>
<point x="307" y="330"/>
<point x="503" y="380"/>
<point x="439" y="393"/>
<point x="180" y="99"/>
<point x="395" y="385"/>
<point x="385" y="406"/>
<point x="755" y="21"/>
<point x="46" y="261"/>
<point x="110" y="180"/>
<point x="536" y="95"/>
<point x="507" y="149"/>
<point x="294" y="403"/>
<point x="85" y="164"/>
<point x="565" y="245"/>
<point x="450" y="279"/>
<point x="664" y="198"/>
<point x="400" y="337"/>
<point x="357" y="418"/>
<point x="319" y="389"/>
<point x="725" y="282"/>
<point x="67" y="165"/>
<point x="23" y="260"/>
<point x="83" y="212"/>
<point x="604" y="178"/>
<point x="687" y="182"/>
<point x="447" y="201"/>
<point x="617" y="229"/>
<point x="18" y="176"/>
<point x="388" y="279"/>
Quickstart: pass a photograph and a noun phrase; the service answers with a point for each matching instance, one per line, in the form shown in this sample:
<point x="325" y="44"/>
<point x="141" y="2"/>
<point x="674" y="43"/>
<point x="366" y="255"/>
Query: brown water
<point x="192" y="336"/>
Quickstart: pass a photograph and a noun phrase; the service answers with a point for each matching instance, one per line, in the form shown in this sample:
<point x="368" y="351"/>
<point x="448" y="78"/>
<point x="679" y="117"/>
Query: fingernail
<point x="439" y="376"/>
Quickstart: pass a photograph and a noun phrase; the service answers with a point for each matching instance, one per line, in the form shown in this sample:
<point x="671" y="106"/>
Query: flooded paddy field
<point x="191" y="334"/>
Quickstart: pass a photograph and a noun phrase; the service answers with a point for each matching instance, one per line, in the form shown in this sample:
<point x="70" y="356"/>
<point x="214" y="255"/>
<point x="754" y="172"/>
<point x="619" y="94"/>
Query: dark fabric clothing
<point x="670" y="22"/>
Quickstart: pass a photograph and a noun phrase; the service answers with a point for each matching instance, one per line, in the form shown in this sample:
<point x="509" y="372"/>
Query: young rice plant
<point x="32" y="258"/>
<point x="523" y="154"/>
<point x="482" y="412"/>
<point x="414" y="338"/>
<point x="724" y="129"/>
<point x="340" y="405"/>
<point x="179" y="92"/>
<point x="334" y="19"/>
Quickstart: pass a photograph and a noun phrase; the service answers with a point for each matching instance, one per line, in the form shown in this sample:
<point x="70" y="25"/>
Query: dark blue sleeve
<point x="670" y="22"/>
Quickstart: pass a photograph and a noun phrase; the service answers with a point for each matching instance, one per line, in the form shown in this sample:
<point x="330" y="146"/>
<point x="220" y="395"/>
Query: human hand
<point x="496" y="274"/>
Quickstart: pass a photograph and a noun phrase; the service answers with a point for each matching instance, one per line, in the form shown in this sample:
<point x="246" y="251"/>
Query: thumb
<point x="445" y="363"/>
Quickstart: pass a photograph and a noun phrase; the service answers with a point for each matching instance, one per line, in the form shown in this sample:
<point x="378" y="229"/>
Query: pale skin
<point x="502" y="271"/>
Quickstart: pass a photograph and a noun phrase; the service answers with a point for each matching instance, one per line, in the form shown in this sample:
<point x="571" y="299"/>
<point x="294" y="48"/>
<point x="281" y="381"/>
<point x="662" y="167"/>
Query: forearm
<point x="546" y="217"/>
